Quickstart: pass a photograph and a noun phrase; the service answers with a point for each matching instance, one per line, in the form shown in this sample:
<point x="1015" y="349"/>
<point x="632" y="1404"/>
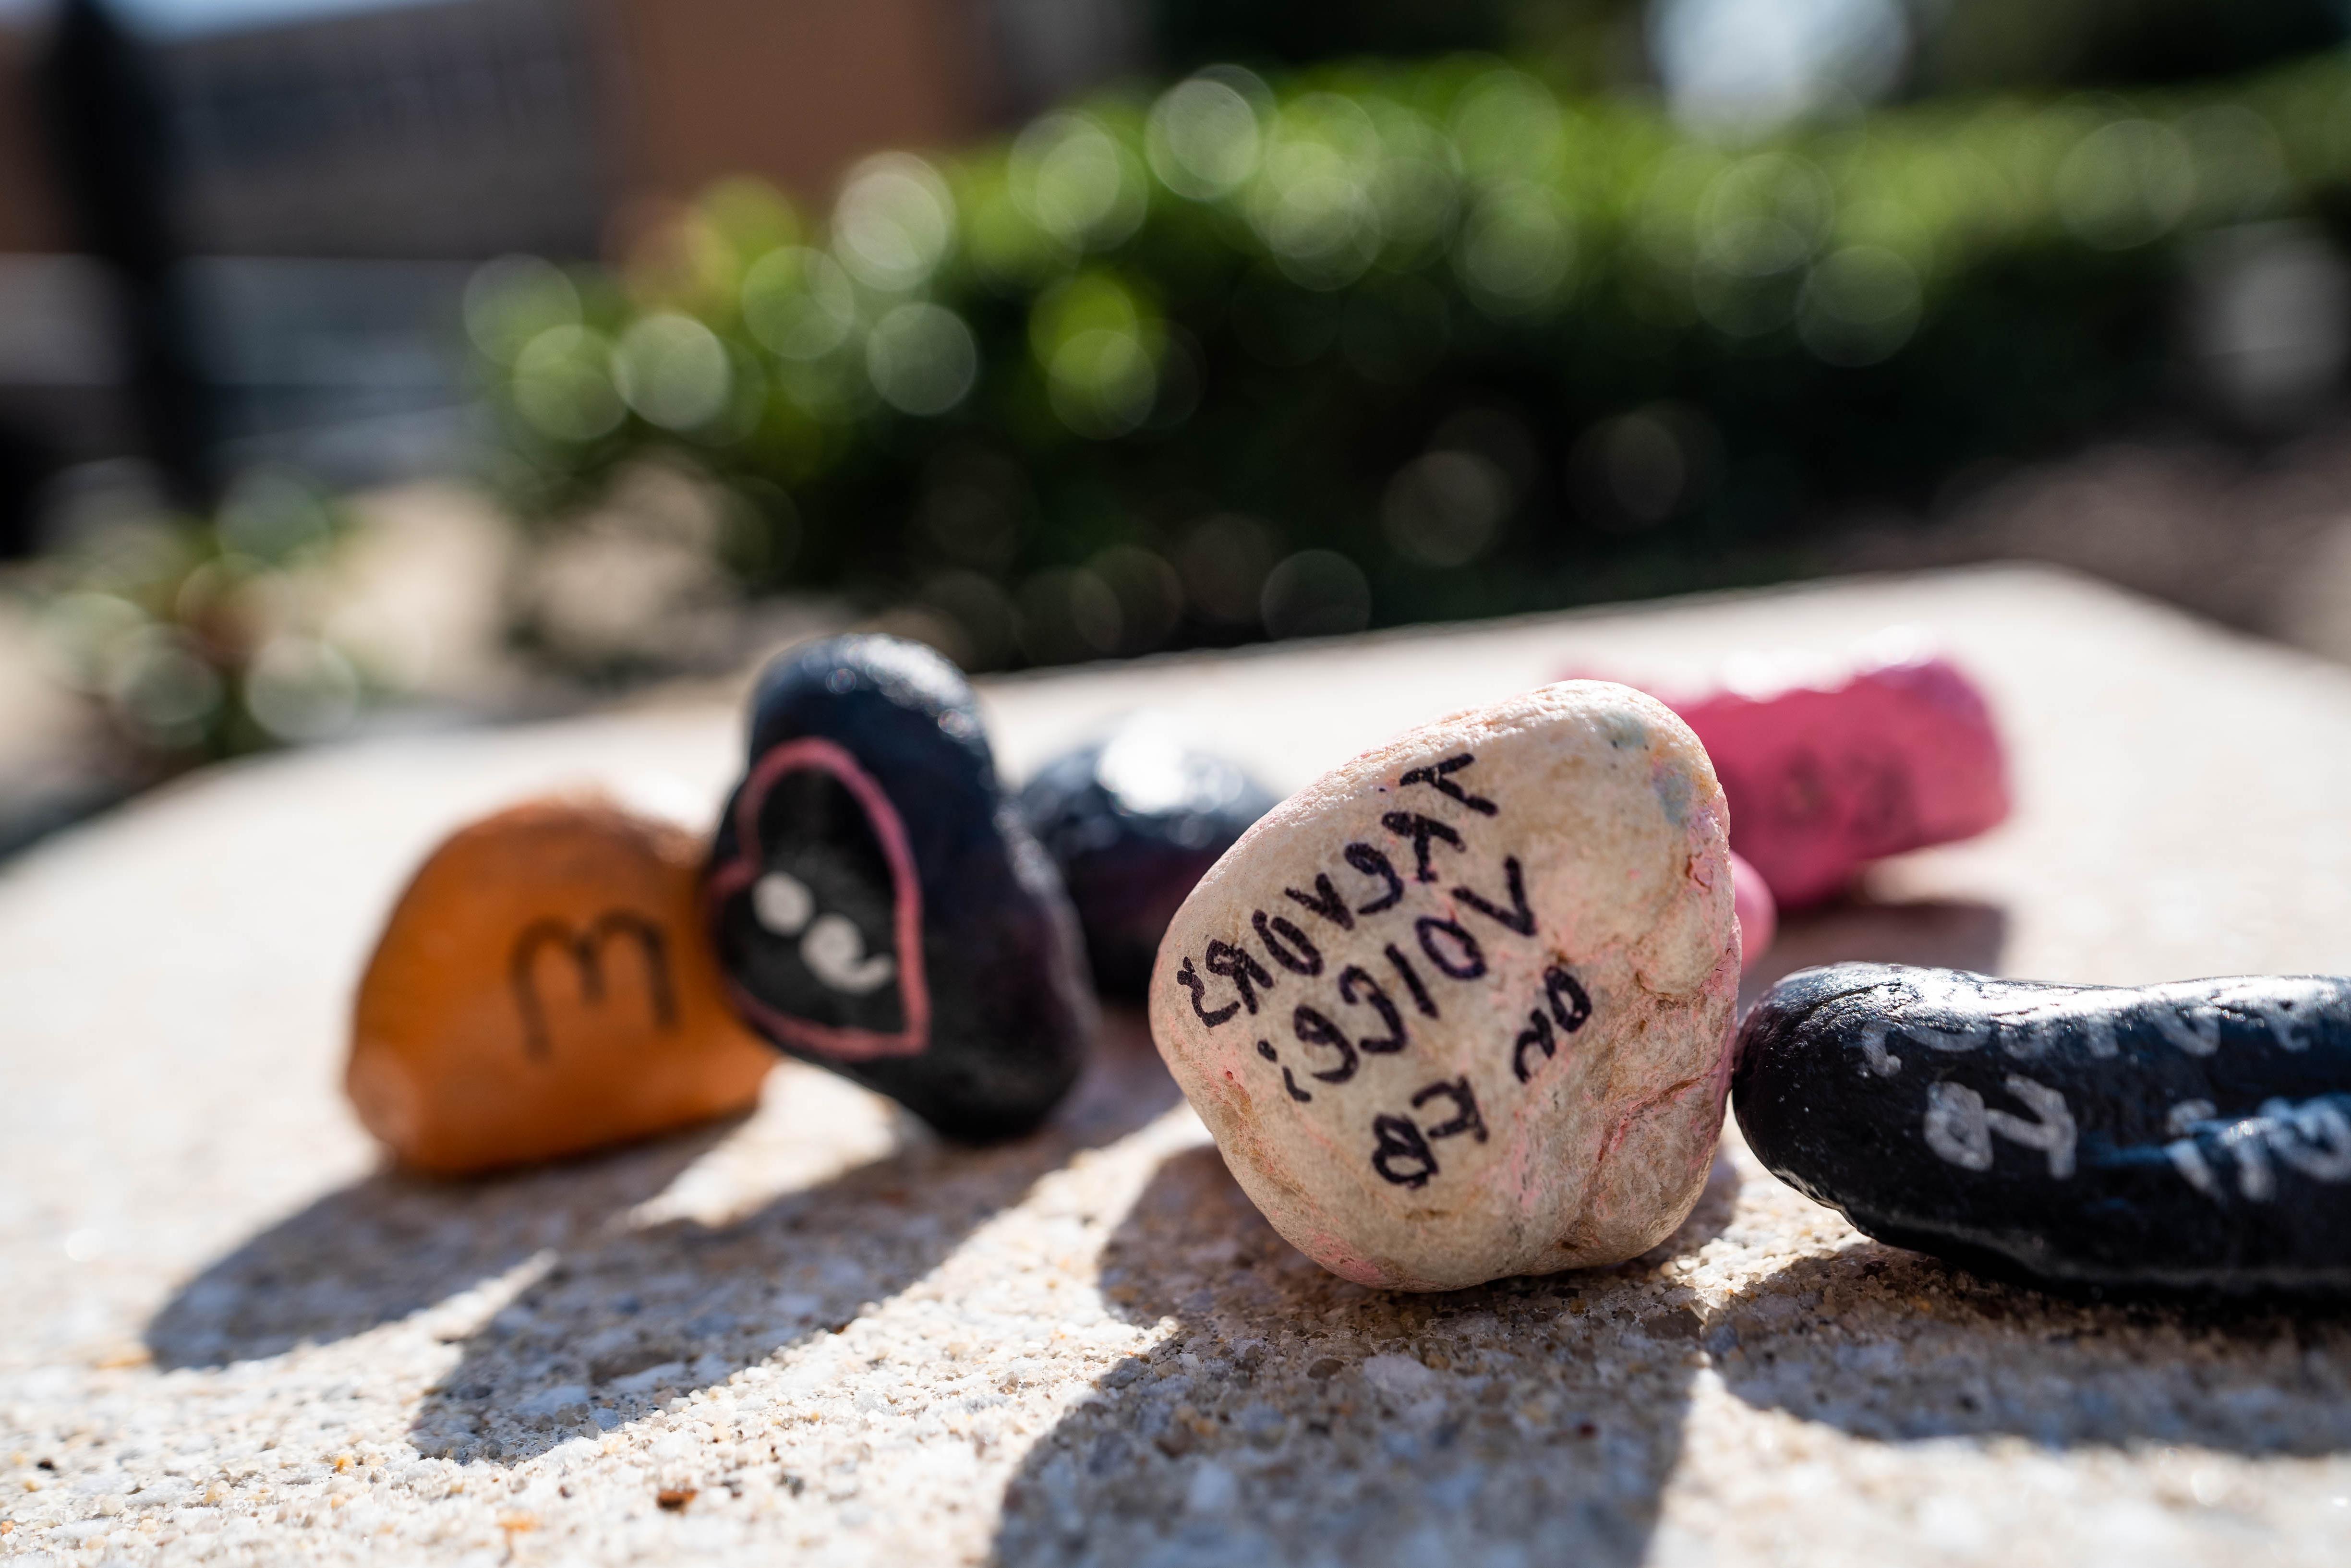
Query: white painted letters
<point x="1960" y="1128"/>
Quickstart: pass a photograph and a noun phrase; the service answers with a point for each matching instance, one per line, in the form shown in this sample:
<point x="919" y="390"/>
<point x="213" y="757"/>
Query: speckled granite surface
<point x="818" y="1336"/>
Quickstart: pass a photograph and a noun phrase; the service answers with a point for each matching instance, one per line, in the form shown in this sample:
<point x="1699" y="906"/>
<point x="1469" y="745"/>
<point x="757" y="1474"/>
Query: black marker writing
<point x="1371" y="863"/>
<point x="1235" y="964"/>
<point x="1412" y="982"/>
<point x="1519" y="917"/>
<point x="1314" y="1029"/>
<point x="1355" y="984"/>
<point x="586" y="949"/>
<point x="1401" y="1151"/>
<point x="1565" y="1002"/>
<point x="1420" y="829"/>
<point x="1265" y="1048"/>
<point x="1300" y="957"/>
<point x="1568" y="1000"/>
<point x="1189" y="978"/>
<point x="1465" y="1118"/>
<point x="1325" y="903"/>
<point x="1438" y="777"/>
<point x="1467" y="963"/>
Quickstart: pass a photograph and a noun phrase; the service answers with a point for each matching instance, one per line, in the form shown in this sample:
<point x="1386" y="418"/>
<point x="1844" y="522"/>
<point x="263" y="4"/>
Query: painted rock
<point x="877" y="904"/>
<point x="1134" y="822"/>
<point x="1462" y="1007"/>
<point x="2194" y="1136"/>
<point x="1829" y="766"/>
<point x="1758" y="916"/>
<point x="543" y="988"/>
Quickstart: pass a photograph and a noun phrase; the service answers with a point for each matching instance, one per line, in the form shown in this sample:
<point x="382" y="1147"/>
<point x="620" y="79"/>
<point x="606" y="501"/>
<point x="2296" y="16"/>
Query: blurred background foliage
<point x="1321" y="316"/>
<point x="1929" y="45"/>
<point x="208" y="639"/>
<point x="1372" y="342"/>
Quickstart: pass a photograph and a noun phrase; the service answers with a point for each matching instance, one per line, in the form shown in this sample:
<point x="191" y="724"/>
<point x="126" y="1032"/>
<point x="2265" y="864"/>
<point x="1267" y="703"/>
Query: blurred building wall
<point x="64" y="357"/>
<point x="791" y="89"/>
<point x="29" y="219"/>
<point x="459" y="128"/>
<point x="316" y="187"/>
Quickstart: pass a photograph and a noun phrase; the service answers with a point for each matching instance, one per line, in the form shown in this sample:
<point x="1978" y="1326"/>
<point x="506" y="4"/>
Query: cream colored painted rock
<point x="1461" y="1009"/>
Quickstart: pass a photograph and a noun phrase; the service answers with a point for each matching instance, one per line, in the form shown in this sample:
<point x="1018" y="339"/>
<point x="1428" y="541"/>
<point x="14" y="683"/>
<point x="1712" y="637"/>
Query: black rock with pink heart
<point x="878" y="904"/>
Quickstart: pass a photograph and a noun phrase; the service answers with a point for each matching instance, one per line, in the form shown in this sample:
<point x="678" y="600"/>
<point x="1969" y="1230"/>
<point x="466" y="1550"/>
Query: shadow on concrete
<point x="390" y="1245"/>
<point x="1948" y="934"/>
<point x="629" y="1317"/>
<point x="1289" y="1416"/>
<point x="1897" y="1346"/>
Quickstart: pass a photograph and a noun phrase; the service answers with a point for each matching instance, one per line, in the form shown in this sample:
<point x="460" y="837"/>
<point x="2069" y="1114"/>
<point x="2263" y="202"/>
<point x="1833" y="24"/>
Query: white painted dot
<point x="834" y="951"/>
<point x="84" y="1244"/>
<point x="782" y="902"/>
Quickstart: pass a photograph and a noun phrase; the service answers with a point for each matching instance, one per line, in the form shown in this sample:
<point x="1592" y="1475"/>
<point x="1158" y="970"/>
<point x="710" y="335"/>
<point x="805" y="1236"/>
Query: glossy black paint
<point x="1134" y="822"/>
<point x="1009" y="1012"/>
<point x="2190" y="1138"/>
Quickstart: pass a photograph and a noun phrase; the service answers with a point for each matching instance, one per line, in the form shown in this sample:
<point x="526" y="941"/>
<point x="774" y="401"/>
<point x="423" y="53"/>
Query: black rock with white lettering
<point x="2186" y="1137"/>
<point x="877" y="904"/>
<point x="1133" y="823"/>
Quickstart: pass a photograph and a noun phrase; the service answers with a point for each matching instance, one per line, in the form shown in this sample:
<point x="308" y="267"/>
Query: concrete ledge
<point x="818" y="1336"/>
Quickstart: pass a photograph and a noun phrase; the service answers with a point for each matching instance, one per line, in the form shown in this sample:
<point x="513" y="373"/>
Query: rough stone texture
<point x="2190" y="1137"/>
<point x="222" y="1328"/>
<point x="1462" y="1007"/>
<point x="543" y="988"/>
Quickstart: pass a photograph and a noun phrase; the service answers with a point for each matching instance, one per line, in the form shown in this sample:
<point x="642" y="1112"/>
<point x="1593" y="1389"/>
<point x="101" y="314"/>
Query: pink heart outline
<point x="914" y="990"/>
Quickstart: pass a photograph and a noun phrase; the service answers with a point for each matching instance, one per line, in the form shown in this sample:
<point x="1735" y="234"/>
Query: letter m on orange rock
<point x="543" y="988"/>
<point x="586" y="950"/>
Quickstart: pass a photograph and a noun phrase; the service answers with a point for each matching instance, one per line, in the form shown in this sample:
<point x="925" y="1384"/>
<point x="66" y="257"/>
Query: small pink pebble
<point x="1758" y="916"/>
<point x="1829" y="765"/>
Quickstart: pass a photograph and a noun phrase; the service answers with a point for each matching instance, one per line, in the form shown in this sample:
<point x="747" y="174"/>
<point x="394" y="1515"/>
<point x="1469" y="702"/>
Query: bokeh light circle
<point x="923" y="358"/>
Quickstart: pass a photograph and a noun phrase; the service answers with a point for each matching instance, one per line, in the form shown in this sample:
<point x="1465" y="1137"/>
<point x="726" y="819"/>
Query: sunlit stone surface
<point x="854" y="1342"/>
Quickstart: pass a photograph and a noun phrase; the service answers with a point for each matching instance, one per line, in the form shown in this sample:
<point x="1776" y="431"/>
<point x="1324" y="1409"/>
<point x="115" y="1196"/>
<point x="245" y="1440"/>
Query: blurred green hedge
<point x="1382" y="344"/>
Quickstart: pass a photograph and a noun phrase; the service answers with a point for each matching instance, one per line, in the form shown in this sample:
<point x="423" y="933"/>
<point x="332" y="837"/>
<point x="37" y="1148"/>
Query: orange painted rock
<point x="543" y="988"/>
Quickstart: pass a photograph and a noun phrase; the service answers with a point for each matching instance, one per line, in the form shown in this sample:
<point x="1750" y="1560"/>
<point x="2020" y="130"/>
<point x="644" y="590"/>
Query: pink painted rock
<point x="1758" y="916"/>
<point x="1461" y="1009"/>
<point x="1830" y="765"/>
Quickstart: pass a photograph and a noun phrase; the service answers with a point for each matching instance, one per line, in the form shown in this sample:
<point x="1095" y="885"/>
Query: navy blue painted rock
<point x="878" y="905"/>
<point x="2186" y="1137"/>
<point x="1134" y="822"/>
